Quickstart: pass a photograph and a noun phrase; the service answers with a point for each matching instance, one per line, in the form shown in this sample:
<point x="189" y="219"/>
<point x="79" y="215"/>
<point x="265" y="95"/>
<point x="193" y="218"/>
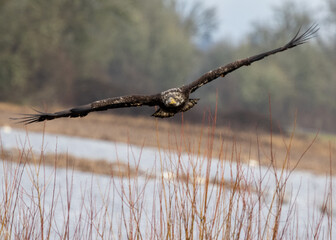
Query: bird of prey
<point x="171" y="101"/>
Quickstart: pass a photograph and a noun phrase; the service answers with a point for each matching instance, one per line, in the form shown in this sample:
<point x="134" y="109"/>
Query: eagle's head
<point x="173" y="97"/>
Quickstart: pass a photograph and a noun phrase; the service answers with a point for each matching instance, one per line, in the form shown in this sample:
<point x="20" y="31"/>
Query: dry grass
<point x="141" y="131"/>
<point x="188" y="203"/>
<point x="103" y="167"/>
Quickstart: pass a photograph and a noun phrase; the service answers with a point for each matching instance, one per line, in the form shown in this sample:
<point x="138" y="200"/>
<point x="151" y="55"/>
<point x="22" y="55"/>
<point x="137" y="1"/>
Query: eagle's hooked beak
<point x="171" y="101"/>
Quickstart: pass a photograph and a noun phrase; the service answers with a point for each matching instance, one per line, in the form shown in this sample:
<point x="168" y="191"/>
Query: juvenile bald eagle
<point x="171" y="101"/>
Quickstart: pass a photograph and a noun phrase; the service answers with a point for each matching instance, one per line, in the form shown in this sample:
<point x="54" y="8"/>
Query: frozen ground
<point x="305" y="191"/>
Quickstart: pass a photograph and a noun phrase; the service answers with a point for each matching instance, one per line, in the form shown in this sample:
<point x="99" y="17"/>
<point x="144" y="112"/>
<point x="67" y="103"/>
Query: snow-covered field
<point x="98" y="203"/>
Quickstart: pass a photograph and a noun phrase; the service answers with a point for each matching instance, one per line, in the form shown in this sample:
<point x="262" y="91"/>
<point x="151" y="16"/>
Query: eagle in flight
<point x="171" y="101"/>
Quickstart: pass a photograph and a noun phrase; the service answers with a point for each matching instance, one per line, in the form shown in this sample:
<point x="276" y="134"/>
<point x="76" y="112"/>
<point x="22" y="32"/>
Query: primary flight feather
<point x="171" y="101"/>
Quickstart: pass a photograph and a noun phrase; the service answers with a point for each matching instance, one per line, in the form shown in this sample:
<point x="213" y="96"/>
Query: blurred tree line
<point x="73" y="52"/>
<point x="300" y="81"/>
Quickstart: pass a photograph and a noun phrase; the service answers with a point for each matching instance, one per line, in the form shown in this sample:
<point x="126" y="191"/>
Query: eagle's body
<point x="171" y="101"/>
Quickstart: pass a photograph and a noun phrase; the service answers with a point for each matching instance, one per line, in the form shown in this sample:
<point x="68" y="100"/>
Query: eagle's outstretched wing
<point x="171" y="101"/>
<point x="224" y="70"/>
<point x="101" y="105"/>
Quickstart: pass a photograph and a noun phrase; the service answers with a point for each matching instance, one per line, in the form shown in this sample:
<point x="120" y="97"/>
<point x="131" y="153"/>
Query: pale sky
<point x="236" y="16"/>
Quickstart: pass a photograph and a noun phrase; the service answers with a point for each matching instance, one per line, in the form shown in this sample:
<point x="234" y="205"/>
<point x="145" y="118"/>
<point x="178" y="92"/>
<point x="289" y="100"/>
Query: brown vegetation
<point x="149" y="132"/>
<point x="185" y="202"/>
<point x="115" y="168"/>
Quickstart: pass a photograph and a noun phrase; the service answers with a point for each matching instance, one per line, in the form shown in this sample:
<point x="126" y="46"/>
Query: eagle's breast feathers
<point x="174" y="100"/>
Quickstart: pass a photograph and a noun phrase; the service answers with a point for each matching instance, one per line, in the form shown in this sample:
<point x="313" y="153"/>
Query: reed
<point x="189" y="194"/>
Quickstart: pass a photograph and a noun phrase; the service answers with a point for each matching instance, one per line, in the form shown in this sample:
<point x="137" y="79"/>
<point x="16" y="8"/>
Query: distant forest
<point x="61" y="52"/>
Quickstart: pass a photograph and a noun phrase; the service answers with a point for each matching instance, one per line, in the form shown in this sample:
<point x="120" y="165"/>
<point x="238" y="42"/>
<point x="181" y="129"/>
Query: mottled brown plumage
<point x="171" y="101"/>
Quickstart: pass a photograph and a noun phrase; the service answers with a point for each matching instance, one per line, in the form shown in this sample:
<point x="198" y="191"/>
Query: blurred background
<point x="61" y="52"/>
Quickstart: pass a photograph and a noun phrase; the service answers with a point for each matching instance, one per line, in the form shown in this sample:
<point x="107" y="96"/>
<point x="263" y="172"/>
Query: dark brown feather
<point x="101" y="105"/>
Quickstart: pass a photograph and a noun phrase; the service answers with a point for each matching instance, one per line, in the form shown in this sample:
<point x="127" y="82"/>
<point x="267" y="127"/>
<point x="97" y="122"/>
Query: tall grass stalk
<point x="188" y="194"/>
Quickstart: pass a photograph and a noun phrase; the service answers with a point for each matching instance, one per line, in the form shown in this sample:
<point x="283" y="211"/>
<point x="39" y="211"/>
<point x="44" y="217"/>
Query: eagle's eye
<point x="171" y="101"/>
